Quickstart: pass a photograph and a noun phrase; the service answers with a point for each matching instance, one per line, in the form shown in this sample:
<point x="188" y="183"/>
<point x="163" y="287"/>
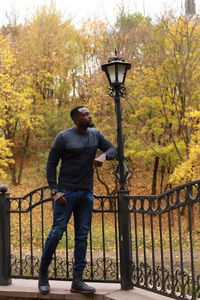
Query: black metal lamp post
<point x="116" y="70"/>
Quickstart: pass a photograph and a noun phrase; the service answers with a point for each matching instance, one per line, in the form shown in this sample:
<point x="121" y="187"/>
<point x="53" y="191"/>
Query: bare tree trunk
<point x="21" y="167"/>
<point x="154" y="179"/>
<point x="12" y="168"/>
<point x="16" y="169"/>
<point x="190" y="8"/>
<point x="113" y="192"/>
<point x="162" y="178"/>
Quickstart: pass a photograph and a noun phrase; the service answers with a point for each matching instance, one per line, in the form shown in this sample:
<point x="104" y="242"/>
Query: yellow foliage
<point x="5" y="156"/>
<point x="15" y="94"/>
<point x="47" y="66"/>
<point x="189" y="169"/>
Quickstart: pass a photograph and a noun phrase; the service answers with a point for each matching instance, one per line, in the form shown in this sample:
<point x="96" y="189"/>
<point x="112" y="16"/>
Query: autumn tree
<point x="165" y="86"/>
<point x="45" y="51"/>
<point x="15" y="99"/>
<point x="188" y="170"/>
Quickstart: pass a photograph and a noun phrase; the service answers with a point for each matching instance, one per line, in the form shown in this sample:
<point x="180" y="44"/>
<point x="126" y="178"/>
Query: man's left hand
<point x="98" y="162"/>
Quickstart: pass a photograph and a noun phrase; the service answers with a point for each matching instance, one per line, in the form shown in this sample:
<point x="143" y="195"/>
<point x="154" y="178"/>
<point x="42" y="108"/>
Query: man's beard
<point x="87" y="125"/>
<point x="90" y="125"/>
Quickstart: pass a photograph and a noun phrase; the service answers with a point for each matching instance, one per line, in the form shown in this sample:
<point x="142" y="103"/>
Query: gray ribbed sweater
<point x="77" y="152"/>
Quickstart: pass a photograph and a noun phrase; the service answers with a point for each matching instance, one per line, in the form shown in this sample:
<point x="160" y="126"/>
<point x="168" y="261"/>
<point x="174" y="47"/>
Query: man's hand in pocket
<point x="59" y="198"/>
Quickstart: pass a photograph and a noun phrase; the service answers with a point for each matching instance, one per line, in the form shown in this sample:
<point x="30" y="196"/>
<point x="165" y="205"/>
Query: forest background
<point x="48" y="66"/>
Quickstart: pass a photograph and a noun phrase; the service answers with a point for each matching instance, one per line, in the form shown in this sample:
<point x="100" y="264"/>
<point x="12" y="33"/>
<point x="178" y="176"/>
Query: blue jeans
<point x="81" y="204"/>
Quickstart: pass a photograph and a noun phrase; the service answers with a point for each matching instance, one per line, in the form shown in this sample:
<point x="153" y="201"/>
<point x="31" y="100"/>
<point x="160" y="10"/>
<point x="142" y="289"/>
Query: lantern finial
<point x="116" y="57"/>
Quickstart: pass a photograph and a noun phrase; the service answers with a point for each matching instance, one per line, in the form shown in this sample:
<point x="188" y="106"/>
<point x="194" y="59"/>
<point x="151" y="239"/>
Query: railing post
<point x="125" y="242"/>
<point x="5" y="278"/>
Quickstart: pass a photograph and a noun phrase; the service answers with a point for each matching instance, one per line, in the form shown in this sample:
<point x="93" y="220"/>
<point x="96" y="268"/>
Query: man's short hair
<point x="75" y="111"/>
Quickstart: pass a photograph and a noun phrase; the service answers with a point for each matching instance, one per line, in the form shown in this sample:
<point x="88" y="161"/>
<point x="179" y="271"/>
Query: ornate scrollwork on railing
<point x="105" y="204"/>
<point x="180" y="284"/>
<point x="121" y="91"/>
<point x="28" y="267"/>
<point x="178" y="197"/>
<point x="37" y="197"/>
<point x="29" y="201"/>
<point x="102" y="270"/>
<point x="61" y="269"/>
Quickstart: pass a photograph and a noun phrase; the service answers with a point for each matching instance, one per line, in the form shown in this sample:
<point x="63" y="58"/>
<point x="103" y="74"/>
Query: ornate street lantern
<point x="116" y="70"/>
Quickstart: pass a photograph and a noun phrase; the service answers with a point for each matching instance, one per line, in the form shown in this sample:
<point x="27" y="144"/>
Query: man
<point x="76" y="148"/>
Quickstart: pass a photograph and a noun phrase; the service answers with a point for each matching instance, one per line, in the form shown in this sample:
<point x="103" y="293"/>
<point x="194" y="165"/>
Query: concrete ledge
<point x="22" y="289"/>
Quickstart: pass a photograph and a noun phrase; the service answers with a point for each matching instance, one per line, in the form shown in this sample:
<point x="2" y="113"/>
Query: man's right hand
<point x="59" y="198"/>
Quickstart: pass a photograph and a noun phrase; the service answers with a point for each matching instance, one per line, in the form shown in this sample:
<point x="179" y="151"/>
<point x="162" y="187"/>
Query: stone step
<point x="22" y="289"/>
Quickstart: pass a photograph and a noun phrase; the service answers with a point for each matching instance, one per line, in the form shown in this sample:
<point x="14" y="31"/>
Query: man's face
<point x="84" y="118"/>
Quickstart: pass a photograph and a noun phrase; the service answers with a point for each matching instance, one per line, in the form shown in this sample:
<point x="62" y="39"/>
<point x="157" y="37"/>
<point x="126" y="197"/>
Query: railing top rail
<point x="115" y="196"/>
<point x="31" y="203"/>
<point x="47" y="187"/>
<point x="191" y="183"/>
<point x="31" y="193"/>
<point x="160" y="209"/>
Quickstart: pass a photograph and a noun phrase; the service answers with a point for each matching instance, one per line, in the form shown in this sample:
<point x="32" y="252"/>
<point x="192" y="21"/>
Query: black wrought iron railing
<point x="165" y="240"/>
<point x="31" y="219"/>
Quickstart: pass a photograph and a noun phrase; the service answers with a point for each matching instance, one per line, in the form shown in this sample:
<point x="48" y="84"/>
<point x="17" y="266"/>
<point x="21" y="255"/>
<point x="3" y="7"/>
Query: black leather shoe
<point x="43" y="285"/>
<point x="79" y="286"/>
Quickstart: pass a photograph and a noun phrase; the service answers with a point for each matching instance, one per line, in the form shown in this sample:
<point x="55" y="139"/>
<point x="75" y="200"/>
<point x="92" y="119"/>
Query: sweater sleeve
<point x="107" y="147"/>
<point x="54" y="157"/>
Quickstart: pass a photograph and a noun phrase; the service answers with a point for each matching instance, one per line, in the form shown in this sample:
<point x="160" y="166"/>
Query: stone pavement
<point x="22" y="289"/>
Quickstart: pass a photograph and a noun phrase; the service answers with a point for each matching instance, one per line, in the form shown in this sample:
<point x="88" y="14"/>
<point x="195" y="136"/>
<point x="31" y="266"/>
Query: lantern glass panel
<point x="111" y="72"/>
<point x="121" y="72"/>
